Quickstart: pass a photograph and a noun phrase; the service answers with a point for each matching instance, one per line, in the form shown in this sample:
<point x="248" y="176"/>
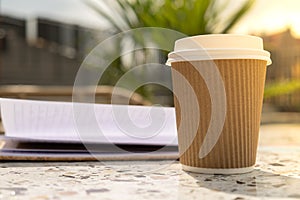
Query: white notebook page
<point x="79" y="122"/>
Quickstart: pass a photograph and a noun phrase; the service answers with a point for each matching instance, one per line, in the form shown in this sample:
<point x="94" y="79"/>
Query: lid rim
<point x="218" y="49"/>
<point x="178" y="58"/>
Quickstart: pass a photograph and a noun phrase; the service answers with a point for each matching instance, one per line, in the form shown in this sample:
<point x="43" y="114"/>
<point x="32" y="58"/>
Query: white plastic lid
<point x="219" y="46"/>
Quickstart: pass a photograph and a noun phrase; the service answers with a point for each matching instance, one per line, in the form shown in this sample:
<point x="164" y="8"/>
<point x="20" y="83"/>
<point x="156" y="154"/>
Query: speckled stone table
<point x="277" y="176"/>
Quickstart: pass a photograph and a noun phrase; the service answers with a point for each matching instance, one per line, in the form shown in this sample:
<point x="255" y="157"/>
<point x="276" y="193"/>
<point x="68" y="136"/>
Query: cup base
<point x="217" y="170"/>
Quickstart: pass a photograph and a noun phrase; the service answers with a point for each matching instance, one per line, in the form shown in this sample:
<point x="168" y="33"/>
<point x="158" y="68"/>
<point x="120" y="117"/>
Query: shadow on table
<point x="257" y="183"/>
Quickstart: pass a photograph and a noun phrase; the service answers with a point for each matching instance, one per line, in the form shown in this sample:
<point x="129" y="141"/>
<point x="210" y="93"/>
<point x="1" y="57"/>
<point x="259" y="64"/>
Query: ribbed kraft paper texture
<point x="244" y="85"/>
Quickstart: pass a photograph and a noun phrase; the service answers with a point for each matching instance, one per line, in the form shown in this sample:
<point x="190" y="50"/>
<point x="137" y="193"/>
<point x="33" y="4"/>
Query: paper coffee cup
<point x="218" y="82"/>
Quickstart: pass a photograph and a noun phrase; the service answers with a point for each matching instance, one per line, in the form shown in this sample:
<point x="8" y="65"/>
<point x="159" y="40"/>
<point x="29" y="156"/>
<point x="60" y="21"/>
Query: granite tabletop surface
<point x="276" y="176"/>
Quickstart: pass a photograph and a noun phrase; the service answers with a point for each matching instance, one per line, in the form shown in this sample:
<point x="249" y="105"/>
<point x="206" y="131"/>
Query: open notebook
<point x="47" y="130"/>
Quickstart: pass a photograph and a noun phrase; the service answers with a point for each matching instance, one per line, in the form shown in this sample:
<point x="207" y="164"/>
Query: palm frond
<point x="238" y="15"/>
<point x="104" y="14"/>
<point x="189" y="17"/>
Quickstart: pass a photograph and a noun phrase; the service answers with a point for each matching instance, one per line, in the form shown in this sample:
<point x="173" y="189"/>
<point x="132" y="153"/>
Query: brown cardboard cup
<point x="243" y="78"/>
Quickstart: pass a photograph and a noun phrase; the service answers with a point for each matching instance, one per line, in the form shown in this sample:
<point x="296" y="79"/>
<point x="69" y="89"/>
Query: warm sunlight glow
<point x="271" y="16"/>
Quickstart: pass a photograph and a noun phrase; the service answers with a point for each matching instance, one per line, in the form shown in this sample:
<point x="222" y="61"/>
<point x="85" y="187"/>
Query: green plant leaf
<point x="281" y="88"/>
<point x="190" y="17"/>
<point x="238" y="14"/>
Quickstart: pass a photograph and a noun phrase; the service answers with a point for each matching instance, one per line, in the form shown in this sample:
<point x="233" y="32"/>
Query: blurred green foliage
<point x="281" y="88"/>
<point x="190" y="17"/>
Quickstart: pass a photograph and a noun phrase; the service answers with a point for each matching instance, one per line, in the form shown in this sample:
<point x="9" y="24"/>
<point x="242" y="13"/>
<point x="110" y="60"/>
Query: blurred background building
<point x="285" y="51"/>
<point x="40" y="51"/>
